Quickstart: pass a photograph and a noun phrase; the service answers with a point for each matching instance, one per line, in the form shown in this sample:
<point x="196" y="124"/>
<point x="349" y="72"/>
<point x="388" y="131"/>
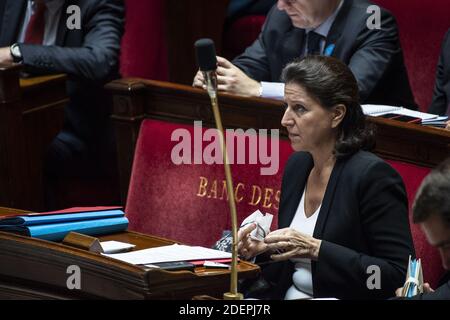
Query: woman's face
<point x="309" y="124"/>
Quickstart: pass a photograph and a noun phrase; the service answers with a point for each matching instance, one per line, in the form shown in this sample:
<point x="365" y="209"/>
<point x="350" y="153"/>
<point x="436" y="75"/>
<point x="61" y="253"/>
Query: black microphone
<point x="207" y="62"/>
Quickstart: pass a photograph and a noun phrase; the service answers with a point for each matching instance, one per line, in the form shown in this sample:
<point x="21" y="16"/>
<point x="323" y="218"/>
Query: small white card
<point x="116" y="246"/>
<point x="263" y="223"/>
<point x="170" y="253"/>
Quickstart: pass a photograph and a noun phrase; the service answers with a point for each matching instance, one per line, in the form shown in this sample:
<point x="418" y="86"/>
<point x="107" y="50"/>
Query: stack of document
<point x="414" y="279"/>
<point x="428" y="119"/>
<point x="54" y="226"/>
<point x="439" y="121"/>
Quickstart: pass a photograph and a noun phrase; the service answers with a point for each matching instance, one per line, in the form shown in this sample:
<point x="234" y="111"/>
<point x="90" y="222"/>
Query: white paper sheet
<point x="263" y="223"/>
<point x="170" y="253"/>
<point x="379" y="110"/>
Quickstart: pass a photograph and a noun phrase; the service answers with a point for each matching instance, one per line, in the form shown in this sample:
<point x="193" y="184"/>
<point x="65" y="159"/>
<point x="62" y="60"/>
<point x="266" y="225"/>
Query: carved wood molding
<point x="411" y="143"/>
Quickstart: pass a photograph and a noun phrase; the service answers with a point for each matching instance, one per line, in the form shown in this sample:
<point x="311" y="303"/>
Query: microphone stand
<point x="211" y="85"/>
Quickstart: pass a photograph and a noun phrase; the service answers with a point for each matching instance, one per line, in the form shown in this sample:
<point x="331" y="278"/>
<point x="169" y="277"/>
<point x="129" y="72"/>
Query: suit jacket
<point x="90" y="58"/>
<point x="374" y="56"/>
<point x="363" y="222"/>
<point x="441" y="96"/>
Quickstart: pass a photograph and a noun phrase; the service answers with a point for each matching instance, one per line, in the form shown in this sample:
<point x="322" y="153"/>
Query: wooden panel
<point x="411" y="143"/>
<point x="136" y="99"/>
<point x="188" y="21"/>
<point x="31" y="114"/>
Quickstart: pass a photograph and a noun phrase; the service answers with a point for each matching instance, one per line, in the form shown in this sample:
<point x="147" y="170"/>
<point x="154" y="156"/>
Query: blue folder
<point x="57" y="231"/>
<point x="30" y="220"/>
<point x="55" y="227"/>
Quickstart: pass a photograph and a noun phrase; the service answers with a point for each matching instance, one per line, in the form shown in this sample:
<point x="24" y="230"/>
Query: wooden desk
<point x="37" y="269"/>
<point x="31" y="114"/>
<point x="136" y="99"/>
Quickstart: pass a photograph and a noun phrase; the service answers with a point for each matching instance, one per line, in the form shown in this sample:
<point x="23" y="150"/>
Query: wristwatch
<point x="15" y="53"/>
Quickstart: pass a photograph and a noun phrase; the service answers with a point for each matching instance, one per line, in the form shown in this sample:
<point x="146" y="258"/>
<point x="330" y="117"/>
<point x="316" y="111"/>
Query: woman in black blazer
<point x="351" y="202"/>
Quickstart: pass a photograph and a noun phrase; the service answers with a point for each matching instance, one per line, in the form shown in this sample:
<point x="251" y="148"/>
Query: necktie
<point x="36" y="27"/>
<point x="313" y="43"/>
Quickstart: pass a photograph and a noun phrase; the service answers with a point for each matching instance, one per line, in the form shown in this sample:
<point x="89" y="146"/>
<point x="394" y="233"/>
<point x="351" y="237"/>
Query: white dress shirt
<point x="52" y="17"/>
<point x="302" y="287"/>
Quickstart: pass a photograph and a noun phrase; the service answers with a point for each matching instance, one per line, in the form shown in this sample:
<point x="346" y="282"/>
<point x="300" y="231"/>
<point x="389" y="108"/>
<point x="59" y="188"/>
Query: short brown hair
<point x="433" y="196"/>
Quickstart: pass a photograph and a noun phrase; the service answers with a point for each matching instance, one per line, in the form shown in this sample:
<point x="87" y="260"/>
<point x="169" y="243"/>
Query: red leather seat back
<point x="144" y="46"/>
<point x="422" y="25"/>
<point x="432" y="267"/>
<point x="247" y="28"/>
<point x="188" y="202"/>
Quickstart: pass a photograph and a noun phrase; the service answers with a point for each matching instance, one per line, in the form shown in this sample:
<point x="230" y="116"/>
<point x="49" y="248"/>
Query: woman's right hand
<point x="247" y="247"/>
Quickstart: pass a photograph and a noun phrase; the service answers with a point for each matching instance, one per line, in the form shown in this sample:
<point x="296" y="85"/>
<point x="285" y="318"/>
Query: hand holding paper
<point x="252" y="233"/>
<point x="249" y="248"/>
<point x="414" y="279"/>
<point x="262" y="222"/>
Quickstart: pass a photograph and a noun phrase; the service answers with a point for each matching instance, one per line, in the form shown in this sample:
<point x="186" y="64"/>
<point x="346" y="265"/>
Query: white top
<point x="302" y="287"/>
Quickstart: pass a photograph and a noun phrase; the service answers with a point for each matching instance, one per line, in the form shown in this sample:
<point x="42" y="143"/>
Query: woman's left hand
<point x="292" y="244"/>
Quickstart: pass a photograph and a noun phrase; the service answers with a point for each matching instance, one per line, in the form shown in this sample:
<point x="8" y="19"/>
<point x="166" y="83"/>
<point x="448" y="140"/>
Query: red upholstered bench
<point x="188" y="202"/>
<point x="144" y="45"/>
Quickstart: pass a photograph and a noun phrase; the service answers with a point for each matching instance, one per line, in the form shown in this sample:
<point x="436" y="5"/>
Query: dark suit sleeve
<point x="96" y="58"/>
<point x="375" y="54"/>
<point x="383" y="215"/>
<point x="254" y="61"/>
<point x="440" y="103"/>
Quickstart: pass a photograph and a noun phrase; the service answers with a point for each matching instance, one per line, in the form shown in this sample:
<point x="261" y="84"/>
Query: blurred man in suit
<point x="339" y="28"/>
<point x="45" y="37"/>
<point x="431" y="210"/>
<point x="441" y="97"/>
